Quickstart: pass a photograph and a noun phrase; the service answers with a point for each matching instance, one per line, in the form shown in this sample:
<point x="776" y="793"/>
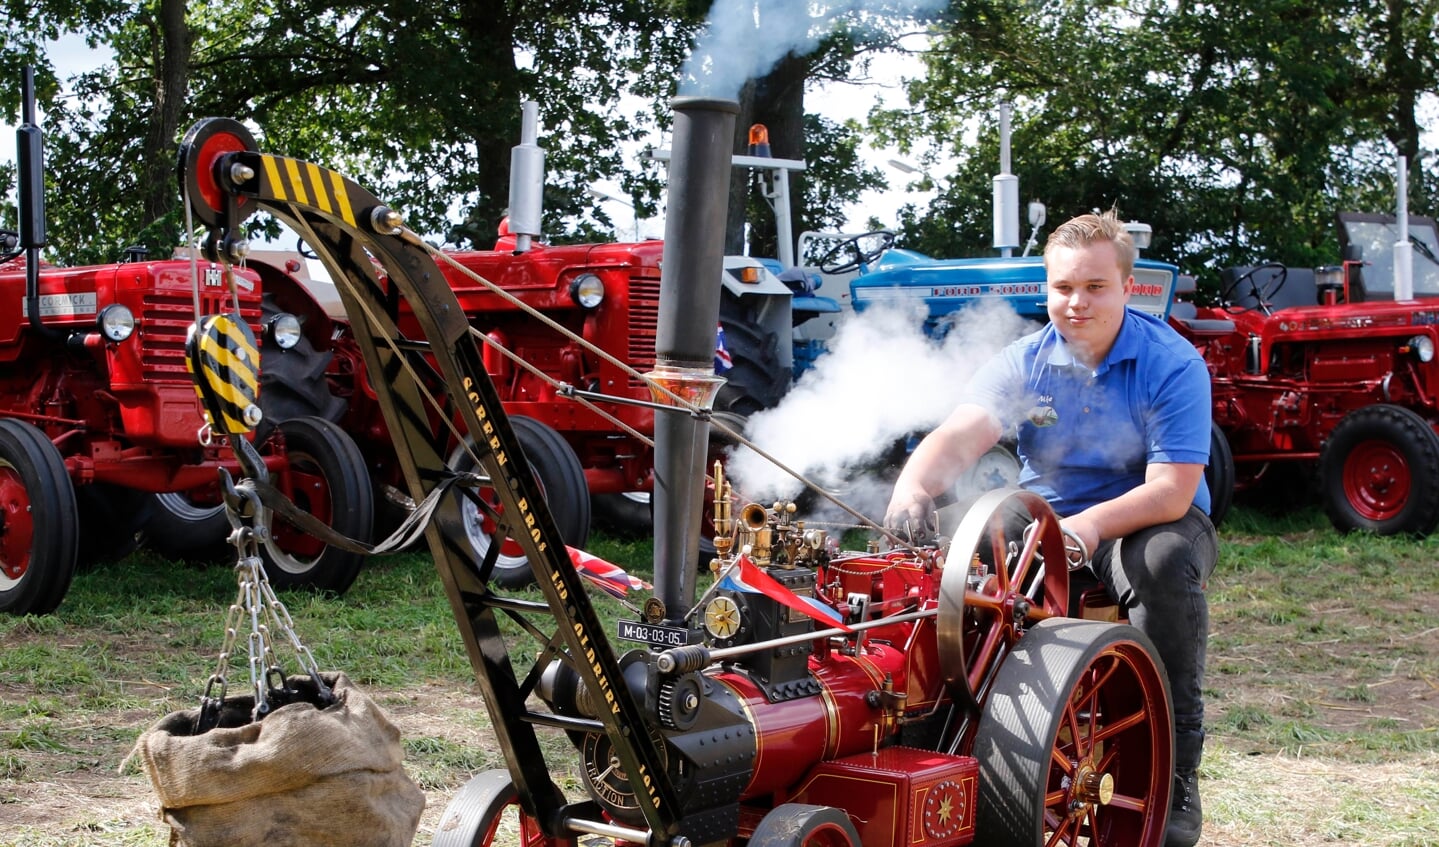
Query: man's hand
<point x="911" y="515"/>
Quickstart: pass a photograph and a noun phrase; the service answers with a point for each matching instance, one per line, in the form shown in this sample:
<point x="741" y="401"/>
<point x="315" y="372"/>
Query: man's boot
<point x="1186" y="817"/>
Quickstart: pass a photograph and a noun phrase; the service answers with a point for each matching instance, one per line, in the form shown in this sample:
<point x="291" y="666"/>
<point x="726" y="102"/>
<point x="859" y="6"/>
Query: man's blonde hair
<point x="1085" y="230"/>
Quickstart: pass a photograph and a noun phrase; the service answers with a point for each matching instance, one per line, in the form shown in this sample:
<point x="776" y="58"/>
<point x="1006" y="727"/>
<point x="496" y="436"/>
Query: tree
<point x="421" y="103"/>
<point x="1237" y="131"/>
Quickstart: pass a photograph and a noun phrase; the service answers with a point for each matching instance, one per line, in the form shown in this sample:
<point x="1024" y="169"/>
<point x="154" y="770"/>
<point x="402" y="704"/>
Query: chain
<point x="268" y="618"/>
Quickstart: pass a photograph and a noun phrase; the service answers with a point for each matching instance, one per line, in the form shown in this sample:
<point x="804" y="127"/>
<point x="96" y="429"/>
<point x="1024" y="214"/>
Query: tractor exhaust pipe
<point x="685" y="335"/>
<point x="30" y="153"/>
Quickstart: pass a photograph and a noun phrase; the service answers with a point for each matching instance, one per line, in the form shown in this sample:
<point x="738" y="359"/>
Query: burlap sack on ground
<point x="301" y="776"/>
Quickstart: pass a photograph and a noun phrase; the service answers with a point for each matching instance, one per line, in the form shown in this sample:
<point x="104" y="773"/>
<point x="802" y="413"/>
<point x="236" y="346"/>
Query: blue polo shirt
<point x="1087" y="436"/>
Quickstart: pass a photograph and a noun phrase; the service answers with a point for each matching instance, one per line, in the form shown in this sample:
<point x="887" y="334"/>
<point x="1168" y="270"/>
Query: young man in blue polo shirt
<point x="1111" y="407"/>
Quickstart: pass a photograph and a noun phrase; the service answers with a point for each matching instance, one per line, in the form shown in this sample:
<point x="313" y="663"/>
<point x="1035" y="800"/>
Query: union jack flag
<point x="723" y="362"/>
<point x="609" y="578"/>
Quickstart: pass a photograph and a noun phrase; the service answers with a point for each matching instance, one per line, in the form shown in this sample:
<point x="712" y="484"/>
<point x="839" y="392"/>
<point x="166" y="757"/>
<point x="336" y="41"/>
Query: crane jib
<point x="352" y="232"/>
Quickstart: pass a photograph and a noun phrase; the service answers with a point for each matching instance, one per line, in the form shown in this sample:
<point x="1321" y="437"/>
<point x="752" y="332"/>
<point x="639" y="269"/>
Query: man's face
<point x="1087" y="296"/>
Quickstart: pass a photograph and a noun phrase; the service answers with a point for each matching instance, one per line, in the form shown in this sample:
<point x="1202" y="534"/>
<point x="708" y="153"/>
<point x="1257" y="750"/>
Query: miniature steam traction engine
<point x="931" y="693"/>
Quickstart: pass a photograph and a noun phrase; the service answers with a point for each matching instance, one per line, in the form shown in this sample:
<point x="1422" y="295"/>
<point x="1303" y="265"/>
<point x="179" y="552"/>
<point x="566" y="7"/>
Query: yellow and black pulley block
<point x="224" y="361"/>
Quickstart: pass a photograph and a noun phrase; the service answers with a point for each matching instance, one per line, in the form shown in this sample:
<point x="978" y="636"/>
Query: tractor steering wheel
<point x="1262" y="296"/>
<point x="832" y="261"/>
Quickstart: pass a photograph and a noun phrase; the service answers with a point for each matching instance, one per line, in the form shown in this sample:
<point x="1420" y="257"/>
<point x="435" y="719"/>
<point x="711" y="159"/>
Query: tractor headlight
<point x="1423" y="347"/>
<point x="284" y="329"/>
<point x="116" y="322"/>
<point x="587" y="290"/>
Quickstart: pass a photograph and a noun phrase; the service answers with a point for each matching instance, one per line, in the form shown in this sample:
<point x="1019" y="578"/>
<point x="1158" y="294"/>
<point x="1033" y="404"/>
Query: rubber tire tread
<point x="199" y="538"/>
<point x="293" y="382"/>
<point x="1013" y="748"/>
<point x="756" y="381"/>
<point x="55" y="521"/>
<point x="112" y="521"/>
<point x="1414" y="437"/>
<point x="791" y="824"/>
<point x="1219" y="475"/>
<point x="352" y="505"/>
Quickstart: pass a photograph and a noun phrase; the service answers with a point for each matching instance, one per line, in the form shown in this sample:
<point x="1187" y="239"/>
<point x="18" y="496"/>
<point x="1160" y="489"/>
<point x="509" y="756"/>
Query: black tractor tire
<point x="327" y="477"/>
<point x="562" y="479"/>
<point x="1377" y="472"/>
<point x="292" y="382"/>
<point x="1219" y="475"/>
<point x="39" y="529"/>
<point x="112" y="522"/>
<point x="757" y="381"/>
<point x="630" y="514"/>
<point x="187" y="526"/>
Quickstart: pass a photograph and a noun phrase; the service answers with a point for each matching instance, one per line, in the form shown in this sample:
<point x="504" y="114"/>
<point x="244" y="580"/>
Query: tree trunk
<point x="171" y="84"/>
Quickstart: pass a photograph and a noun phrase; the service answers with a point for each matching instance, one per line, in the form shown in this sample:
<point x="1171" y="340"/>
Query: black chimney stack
<point x="690" y="276"/>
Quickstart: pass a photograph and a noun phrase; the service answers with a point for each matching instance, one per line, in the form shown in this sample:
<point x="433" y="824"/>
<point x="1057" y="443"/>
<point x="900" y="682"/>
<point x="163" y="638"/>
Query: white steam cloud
<point x="881" y="380"/>
<point x="743" y="39"/>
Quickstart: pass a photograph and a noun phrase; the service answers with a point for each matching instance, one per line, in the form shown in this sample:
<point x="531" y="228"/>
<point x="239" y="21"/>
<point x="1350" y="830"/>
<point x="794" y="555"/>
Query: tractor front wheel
<point x="1076" y="741"/>
<point x="38" y="528"/>
<point x="325" y="476"/>
<point x="1376" y="472"/>
<point x="562" y="482"/>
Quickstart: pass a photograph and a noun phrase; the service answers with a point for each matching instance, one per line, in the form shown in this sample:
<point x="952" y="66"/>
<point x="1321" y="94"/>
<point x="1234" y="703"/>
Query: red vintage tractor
<point x="935" y="694"/>
<point x="1327" y="369"/>
<point x="98" y="413"/>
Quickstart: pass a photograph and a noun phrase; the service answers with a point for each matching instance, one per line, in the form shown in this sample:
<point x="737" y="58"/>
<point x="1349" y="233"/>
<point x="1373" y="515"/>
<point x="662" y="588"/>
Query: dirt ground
<point x="1252" y="798"/>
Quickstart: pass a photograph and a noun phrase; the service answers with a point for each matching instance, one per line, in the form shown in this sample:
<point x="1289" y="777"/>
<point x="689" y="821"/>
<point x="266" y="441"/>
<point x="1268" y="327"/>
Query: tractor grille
<point x="168" y="314"/>
<point x="644" y="315"/>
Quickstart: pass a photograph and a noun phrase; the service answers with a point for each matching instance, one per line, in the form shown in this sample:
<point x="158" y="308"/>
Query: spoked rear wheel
<point x="486" y="812"/>
<point x="802" y="825"/>
<point x="1075" y="744"/>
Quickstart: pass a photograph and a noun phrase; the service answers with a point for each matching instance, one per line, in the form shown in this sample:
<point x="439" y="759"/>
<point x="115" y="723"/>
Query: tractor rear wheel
<point x="487" y="811"/>
<point x="189" y="526"/>
<point x="1376" y="472"/>
<point x="38" y="527"/>
<point x="562" y="481"/>
<point x="112" y="520"/>
<point x="754" y="382"/>
<point x="1219" y="475"/>
<point x="802" y="825"/>
<point x="1092" y="760"/>
<point x="325" y="476"/>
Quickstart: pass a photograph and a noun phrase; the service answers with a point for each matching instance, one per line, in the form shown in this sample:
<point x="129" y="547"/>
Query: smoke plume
<point x="881" y="381"/>
<point x="743" y="39"/>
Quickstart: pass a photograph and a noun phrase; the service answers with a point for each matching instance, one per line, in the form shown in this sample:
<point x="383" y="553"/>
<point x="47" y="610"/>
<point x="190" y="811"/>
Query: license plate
<point x="648" y="633"/>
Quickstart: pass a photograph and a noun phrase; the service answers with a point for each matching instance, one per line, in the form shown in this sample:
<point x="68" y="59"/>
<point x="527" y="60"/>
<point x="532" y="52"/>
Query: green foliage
<point x="1236" y="131"/>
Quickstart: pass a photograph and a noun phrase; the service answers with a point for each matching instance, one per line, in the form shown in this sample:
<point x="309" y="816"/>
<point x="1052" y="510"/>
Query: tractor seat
<point x="1183" y="310"/>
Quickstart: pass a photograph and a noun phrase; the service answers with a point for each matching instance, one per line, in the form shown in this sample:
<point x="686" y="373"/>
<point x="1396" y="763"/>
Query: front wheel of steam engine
<point x="38" y="527"/>
<point x="1376" y="472"/>
<point x="1075" y="743"/>
<point x="562" y="481"/>
<point x="486" y="812"/>
<point x="801" y="825"/>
